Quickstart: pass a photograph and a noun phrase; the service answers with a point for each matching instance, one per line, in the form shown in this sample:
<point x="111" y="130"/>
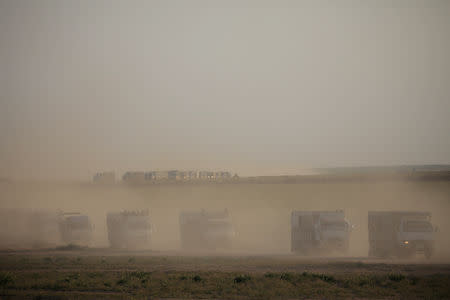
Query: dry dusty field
<point x="103" y="273"/>
<point x="259" y="266"/>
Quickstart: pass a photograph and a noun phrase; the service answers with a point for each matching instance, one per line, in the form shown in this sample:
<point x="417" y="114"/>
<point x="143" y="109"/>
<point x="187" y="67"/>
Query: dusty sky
<point x="256" y="87"/>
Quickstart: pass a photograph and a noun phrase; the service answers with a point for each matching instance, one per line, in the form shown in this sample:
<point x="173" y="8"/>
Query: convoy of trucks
<point x="314" y="232"/>
<point x="390" y="233"/>
<point x="400" y="233"/>
<point x="206" y="230"/>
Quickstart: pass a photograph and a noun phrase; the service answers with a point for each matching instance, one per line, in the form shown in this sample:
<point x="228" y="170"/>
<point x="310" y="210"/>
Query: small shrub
<point x="270" y="275"/>
<point x="287" y="276"/>
<point x="242" y="278"/>
<point x="197" y="278"/>
<point x="48" y="260"/>
<point x="140" y="275"/>
<point x="413" y="280"/>
<point x="122" y="281"/>
<point x="396" y="277"/>
<point x="325" y="278"/>
<point x="183" y="277"/>
<point x="5" y="279"/>
<point x="132" y="260"/>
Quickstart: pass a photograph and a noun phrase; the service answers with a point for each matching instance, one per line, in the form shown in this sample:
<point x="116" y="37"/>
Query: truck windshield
<point x="337" y="225"/>
<point x="418" y="226"/>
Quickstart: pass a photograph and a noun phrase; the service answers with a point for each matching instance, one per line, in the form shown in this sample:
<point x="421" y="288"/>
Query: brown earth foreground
<point x="102" y="273"/>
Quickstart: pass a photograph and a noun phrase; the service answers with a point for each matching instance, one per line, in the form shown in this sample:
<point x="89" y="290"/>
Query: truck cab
<point x="416" y="235"/>
<point x="400" y="233"/>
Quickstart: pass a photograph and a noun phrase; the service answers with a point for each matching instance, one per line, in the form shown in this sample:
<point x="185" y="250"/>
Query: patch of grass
<point x="242" y="278"/>
<point x="122" y="281"/>
<point x="48" y="260"/>
<point x="287" y="277"/>
<point x="270" y="275"/>
<point x="5" y="278"/>
<point x="325" y="278"/>
<point x="396" y="277"/>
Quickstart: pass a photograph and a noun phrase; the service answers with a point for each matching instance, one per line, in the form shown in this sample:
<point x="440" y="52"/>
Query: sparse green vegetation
<point x="242" y="278"/>
<point x="5" y="279"/>
<point x="156" y="276"/>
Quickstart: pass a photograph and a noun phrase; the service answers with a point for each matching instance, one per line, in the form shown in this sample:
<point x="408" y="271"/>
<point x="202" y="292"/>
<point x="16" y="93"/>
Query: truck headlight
<point x="406" y="242"/>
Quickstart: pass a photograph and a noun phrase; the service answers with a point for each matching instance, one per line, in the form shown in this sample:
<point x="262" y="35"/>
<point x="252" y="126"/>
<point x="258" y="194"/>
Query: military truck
<point x="75" y="228"/>
<point x="203" y="230"/>
<point x="400" y="233"/>
<point x="319" y="232"/>
<point x="129" y="229"/>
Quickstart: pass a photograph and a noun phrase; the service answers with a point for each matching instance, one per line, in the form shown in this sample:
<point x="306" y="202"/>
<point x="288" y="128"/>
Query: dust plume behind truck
<point x="400" y="233"/>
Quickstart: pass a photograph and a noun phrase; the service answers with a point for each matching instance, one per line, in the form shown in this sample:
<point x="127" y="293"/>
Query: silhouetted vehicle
<point x="202" y="230"/>
<point x="400" y="233"/>
<point x="75" y="228"/>
<point x="129" y="229"/>
<point x="318" y="232"/>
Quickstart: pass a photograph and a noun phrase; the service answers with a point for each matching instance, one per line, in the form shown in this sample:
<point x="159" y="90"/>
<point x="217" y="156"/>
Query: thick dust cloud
<point x="260" y="212"/>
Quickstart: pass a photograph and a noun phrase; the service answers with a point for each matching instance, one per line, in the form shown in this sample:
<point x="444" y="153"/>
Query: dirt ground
<point x="104" y="273"/>
<point x="180" y="261"/>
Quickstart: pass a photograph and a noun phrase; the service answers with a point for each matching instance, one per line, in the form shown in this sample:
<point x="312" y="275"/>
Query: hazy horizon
<point x="253" y="87"/>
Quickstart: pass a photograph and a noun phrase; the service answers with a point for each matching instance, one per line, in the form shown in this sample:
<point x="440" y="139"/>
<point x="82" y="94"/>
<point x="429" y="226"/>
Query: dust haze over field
<point x="260" y="212"/>
<point x="257" y="88"/>
<point x="260" y="88"/>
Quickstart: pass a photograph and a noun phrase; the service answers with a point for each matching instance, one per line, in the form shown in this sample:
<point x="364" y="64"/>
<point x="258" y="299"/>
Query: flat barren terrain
<point x="103" y="273"/>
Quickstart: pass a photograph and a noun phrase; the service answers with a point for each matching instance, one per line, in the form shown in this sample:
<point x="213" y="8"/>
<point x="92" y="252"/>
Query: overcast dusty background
<point x="255" y="87"/>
